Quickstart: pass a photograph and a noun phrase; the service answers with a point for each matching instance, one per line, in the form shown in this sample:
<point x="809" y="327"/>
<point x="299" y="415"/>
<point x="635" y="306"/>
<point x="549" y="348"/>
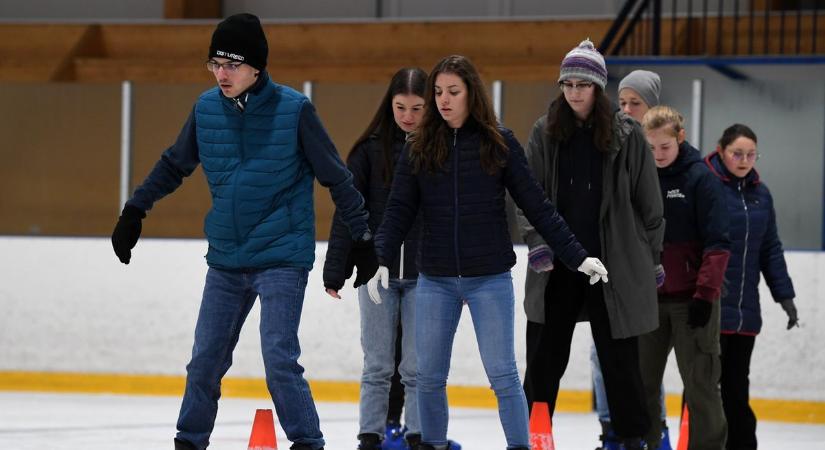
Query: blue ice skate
<point x="394" y="437"/>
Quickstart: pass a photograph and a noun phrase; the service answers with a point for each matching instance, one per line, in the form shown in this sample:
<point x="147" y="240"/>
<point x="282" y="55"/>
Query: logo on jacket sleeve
<point x="675" y="193"/>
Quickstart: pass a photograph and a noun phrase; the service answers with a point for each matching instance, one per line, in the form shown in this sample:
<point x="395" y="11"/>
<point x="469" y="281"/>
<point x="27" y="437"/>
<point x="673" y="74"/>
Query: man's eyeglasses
<point x="568" y="87"/>
<point x="749" y="157"/>
<point x="231" y="67"/>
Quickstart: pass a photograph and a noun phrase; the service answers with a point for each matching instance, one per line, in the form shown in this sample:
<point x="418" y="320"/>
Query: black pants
<point x="736" y="362"/>
<point x="548" y="351"/>
<point x="396" y="388"/>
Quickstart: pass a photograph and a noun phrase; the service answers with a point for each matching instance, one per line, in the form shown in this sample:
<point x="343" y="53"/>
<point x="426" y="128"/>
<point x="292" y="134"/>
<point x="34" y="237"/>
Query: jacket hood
<point x="688" y="156"/>
<point x="622" y="128"/>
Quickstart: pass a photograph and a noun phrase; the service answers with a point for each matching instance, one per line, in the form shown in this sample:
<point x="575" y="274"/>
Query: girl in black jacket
<point x="696" y="253"/>
<point x="371" y="161"/>
<point x="454" y="173"/>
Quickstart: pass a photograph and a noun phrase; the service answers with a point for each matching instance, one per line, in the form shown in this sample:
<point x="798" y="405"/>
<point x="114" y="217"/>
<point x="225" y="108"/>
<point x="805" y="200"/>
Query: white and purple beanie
<point x="584" y="62"/>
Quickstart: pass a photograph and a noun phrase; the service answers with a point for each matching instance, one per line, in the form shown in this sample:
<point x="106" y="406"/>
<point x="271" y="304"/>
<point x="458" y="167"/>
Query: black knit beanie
<point x="240" y="38"/>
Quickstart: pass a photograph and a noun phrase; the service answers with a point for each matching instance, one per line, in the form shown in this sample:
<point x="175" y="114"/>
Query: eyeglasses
<point x="567" y="87"/>
<point x="231" y="67"/>
<point x="749" y="157"/>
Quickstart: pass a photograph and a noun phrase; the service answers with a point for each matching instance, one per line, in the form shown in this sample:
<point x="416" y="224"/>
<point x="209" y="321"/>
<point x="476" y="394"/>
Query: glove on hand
<point x="540" y="259"/>
<point x="127" y="232"/>
<point x="364" y="258"/>
<point x="594" y="268"/>
<point x="336" y="284"/>
<point x="699" y="313"/>
<point x="659" y="270"/>
<point x="383" y="276"/>
<point x="790" y="310"/>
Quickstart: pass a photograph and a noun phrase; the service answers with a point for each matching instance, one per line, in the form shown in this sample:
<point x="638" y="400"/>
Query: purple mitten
<point x="659" y="270"/>
<point x="541" y="259"/>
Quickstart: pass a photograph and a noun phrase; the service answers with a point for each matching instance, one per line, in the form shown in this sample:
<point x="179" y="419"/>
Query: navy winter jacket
<point x="367" y="162"/>
<point x="463" y="219"/>
<point x="260" y="163"/>
<point x="755" y="249"/>
<point x="696" y="245"/>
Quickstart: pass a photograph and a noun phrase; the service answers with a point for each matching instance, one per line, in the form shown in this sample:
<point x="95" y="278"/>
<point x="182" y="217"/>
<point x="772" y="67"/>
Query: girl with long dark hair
<point x="372" y="162"/>
<point x="595" y="166"/>
<point x="454" y="173"/>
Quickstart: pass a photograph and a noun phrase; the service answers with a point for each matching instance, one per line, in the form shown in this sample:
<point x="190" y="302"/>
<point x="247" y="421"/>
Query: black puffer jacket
<point x="464" y="228"/>
<point x="368" y="166"/>
<point x="697" y="244"/>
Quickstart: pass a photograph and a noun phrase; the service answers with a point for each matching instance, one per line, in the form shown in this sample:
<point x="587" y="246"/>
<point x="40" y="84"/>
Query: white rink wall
<point x="68" y="305"/>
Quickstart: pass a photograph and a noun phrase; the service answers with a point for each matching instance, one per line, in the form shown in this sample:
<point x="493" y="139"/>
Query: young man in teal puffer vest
<point x="261" y="145"/>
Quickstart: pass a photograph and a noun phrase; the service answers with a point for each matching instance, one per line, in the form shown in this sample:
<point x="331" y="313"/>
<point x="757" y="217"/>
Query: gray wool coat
<point x="632" y="227"/>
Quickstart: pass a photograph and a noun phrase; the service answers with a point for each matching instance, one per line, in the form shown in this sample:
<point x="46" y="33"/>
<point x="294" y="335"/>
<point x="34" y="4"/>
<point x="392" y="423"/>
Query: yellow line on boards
<point x="347" y="391"/>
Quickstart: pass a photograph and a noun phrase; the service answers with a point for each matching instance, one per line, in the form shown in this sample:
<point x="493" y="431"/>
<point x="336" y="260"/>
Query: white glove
<point x="382" y="275"/>
<point x="594" y="268"/>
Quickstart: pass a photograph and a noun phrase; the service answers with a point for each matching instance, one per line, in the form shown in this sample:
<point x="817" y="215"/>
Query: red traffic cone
<point x="541" y="428"/>
<point x="263" y="431"/>
<point x="684" y="430"/>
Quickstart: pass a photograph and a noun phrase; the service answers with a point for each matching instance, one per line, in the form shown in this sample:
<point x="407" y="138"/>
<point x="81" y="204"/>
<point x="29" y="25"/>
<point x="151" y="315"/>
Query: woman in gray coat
<point x="594" y="164"/>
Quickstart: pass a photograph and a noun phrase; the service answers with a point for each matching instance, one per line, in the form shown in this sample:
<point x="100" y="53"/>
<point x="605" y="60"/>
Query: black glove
<point x="363" y="257"/>
<point x="337" y="284"/>
<point x="127" y="232"/>
<point x="790" y="310"/>
<point x="699" y="313"/>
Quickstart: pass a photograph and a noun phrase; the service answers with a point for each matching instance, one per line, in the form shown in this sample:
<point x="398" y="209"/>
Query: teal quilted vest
<point x="261" y="183"/>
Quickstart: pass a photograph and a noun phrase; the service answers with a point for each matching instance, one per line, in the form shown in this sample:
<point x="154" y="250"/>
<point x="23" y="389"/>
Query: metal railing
<point x="732" y="28"/>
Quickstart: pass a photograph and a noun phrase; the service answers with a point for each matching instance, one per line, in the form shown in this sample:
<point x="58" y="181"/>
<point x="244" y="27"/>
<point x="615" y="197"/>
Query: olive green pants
<point x="697" y="355"/>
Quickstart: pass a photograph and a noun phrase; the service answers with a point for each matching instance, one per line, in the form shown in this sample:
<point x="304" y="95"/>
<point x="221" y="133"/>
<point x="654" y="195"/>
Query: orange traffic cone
<point x="263" y="431"/>
<point x="541" y="428"/>
<point x="684" y="430"/>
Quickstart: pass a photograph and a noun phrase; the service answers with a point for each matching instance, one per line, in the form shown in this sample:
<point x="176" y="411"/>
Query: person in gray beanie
<point x="638" y="92"/>
<point x="261" y="146"/>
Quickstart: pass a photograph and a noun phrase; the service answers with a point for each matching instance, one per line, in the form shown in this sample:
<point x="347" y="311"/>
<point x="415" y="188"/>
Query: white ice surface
<point x="34" y="421"/>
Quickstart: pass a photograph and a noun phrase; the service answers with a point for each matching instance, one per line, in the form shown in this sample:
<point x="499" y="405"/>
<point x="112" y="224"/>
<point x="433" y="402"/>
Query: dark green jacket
<point x="631" y="231"/>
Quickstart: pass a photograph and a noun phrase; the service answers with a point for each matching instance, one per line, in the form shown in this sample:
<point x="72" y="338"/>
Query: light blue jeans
<point x="601" y="396"/>
<point x="379" y="329"/>
<point x="439" y="301"/>
<point x="227" y="298"/>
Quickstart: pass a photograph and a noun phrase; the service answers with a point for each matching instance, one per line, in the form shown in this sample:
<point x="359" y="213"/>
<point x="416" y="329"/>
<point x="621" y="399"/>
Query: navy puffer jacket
<point x="367" y="162"/>
<point x="696" y="246"/>
<point x="756" y="249"/>
<point x="464" y="229"/>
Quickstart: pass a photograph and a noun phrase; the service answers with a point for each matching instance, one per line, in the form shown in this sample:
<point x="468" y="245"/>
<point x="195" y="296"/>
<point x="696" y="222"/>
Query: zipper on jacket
<point x="455" y="202"/>
<point x="235" y="190"/>
<point x="401" y="264"/>
<point x="744" y="256"/>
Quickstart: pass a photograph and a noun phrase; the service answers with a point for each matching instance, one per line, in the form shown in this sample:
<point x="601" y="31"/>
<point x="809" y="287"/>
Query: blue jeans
<point x="227" y="299"/>
<point x="439" y="301"/>
<point x="601" y="396"/>
<point x="379" y="327"/>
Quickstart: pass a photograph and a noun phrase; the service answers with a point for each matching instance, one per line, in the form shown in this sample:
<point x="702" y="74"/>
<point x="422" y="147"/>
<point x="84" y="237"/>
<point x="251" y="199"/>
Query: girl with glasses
<point x="594" y="164"/>
<point x="755" y="251"/>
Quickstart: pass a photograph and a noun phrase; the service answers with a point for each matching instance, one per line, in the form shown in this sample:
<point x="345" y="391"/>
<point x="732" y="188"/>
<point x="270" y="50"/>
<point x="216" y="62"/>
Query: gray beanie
<point x="647" y="84"/>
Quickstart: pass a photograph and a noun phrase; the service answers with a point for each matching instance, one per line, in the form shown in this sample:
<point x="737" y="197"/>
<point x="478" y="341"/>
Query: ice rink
<point x="34" y="421"/>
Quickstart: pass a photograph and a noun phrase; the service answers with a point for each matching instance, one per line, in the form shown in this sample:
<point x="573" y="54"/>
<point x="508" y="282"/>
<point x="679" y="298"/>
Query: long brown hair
<point x="407" y="81"/>
<point x="561" y="121"/>
<point x="429" y="145"/>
